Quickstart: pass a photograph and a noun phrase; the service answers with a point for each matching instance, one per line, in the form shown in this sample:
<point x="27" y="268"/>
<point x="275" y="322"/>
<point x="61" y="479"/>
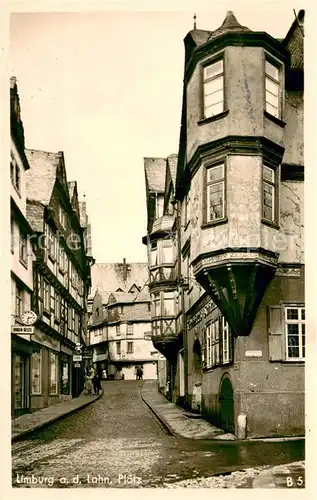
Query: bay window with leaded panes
<point x="213" y="83"/>
<point x="215" y="209"/>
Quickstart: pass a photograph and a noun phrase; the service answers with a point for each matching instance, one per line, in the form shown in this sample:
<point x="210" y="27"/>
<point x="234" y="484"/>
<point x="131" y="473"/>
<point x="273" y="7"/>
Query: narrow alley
<point x="117" y="442"/>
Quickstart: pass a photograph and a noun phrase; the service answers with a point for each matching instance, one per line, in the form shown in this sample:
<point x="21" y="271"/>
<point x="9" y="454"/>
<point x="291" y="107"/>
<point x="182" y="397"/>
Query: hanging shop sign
<point x="77" y="357"/>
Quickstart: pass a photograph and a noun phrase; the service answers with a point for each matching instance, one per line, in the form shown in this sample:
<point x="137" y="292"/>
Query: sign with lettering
<point x="77" y="357"/>
<point x="77" y="365"/>
<point x="253" y="354"/>
<point x="23" y="329"/>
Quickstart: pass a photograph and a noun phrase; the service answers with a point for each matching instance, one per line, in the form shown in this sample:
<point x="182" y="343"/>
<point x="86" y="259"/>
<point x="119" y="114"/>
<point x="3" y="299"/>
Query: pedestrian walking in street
<point x="96" y="383"/>
<point x="139" y="373"/>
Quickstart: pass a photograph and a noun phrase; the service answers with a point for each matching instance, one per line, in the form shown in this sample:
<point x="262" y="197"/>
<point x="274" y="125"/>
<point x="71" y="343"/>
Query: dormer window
<point x="273" y="91"/>
<point x="159" y="205"/>
<point x="213" y="75"/>
<point x="62" y="216"/>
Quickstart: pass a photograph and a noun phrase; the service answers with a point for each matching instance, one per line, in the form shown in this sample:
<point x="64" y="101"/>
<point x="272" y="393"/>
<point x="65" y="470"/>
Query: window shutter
<point x="275" y="331"/>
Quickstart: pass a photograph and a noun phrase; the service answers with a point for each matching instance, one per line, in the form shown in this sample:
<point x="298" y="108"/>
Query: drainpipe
<point x="181" y="288"/>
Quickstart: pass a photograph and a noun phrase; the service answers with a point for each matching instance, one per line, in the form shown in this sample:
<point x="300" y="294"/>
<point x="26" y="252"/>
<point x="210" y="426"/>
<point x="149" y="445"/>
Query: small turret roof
<point x="229" y="25"/>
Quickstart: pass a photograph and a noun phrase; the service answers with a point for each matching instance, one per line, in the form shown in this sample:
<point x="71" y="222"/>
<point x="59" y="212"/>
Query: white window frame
<point x="273" y="185"/>
<point x="209" y="183"/>
<point x="218" y="76"/>
<point x="300" y="322"/>
<point x="225" y="341"/>
<point x="23" y="249"/>
<point x="130" y="329"/>
<point x="131" y="345"/>
<point x="46" y="295"/>
<point x="269" y="79"/>
<point x="208" y="345"/>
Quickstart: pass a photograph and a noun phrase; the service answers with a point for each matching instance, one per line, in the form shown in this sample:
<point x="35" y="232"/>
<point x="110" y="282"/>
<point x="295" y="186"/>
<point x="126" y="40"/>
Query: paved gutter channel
<point x="22" y="435"/>
<point x="159" y="420"/>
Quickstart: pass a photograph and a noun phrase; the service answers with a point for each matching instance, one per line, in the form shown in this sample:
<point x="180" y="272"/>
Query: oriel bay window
<point x="215" y="193"/>
<point x="213" y="81"/>
<point x="164" y="304"/>
<point x="162" y="252"/>
<point x="270" y="194"/>
<point x="273" y="88"/>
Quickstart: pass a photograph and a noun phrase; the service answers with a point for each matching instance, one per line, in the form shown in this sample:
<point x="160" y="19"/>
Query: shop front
<point x="22" y="350"/>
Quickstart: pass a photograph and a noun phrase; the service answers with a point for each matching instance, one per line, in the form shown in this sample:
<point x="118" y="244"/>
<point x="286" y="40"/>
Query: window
<point x="51" y="243"/>
<point x="97" y="312"/>
<point x="57" y="306"/>
<point x="12" y="235"/>
<point x="76" y="327"/>
<point x="36" y="367"/>
<point x="269" y="194"/>
<point x="217" y="343"/>
<point x="121" y="309"/>
<point x="47" y="291"/>
<point x="118" y="347"/>
<point x="23" y="256"/>
<point x="53" y="373"/>
<point x="62" y="260"/>
<point x="159" y="205"/>
<point x="15" y="174"/>
<point x="168" y="304"/>
<point x="62" y="216"/>
<point x="273" y="89"/>
<point x="167" y="251"/>
<point x="18" y="300"/>
<point x="156" y="305"/>
<point x="295" y="333"/>
<point x="213" y="89"/>
<point x="130" y="329"/>
<point x="154" y="260"/>
<point x="129" y="347"/>
<point x="215" y="185"/>
<point x="187" y="209"/>
<point x="225" y="340"/>
<point x="64" y="377"/>
<point x="118" y="330"/>
<point x="52" y="304"/>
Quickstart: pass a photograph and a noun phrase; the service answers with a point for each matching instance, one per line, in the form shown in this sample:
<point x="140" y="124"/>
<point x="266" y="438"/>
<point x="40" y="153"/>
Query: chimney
<point x="124" y="270"/>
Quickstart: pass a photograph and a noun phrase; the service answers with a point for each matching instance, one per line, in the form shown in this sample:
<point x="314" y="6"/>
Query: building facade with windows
<point x="239" y="196"/>
<point x="121" y="321"/>
<point x="61" y="274"/>
<point x="22" y="256"/>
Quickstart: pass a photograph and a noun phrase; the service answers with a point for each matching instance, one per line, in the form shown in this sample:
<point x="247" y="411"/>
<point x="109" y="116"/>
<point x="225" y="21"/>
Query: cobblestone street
<point x="117" y="442"/>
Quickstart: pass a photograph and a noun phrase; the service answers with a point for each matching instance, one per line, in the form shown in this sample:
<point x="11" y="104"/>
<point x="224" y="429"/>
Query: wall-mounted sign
<point x="23" y="329"/>
<point x="77" y="357"/>
<point x="253" y="354"/>
<point x="148" y="335"/>
<point x="77" y="365"/>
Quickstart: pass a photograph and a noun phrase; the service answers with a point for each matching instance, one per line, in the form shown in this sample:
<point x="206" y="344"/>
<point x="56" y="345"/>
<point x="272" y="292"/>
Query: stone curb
<point x="160" y="419"/>
<point x="22" y="435"/>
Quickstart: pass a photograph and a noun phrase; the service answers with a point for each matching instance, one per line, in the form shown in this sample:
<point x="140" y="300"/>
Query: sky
<point x="105" y="87"/>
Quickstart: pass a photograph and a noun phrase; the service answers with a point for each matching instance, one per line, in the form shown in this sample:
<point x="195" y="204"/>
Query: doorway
<point x="226" y="406"/>
<point x="20" y="385"/>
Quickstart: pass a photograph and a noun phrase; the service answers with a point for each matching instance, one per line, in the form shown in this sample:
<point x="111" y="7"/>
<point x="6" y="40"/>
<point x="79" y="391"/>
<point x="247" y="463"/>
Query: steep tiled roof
<point x="172" y="162"/>
<point x="229" y="25"/>
<point x="83" y="214"/>
<point x="71" y="188"/>
<point x="35" y="215"/>
<point x="108" y="277"/>
<point x="155" y="170"/>
<point x="40" y="178"/>
<point x="129" y="298"/>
